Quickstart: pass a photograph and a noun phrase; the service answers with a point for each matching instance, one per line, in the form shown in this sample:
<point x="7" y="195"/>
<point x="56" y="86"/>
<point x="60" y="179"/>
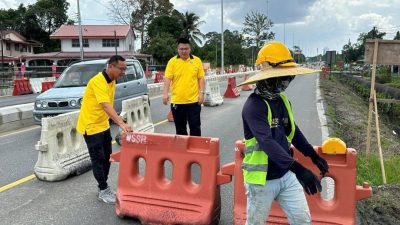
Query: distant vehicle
<point x="66" y="95"/>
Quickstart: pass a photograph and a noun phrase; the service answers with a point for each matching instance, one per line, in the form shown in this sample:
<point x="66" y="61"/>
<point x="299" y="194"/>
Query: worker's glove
<point x="307" y="179"/>
<point x="320" y="163"/>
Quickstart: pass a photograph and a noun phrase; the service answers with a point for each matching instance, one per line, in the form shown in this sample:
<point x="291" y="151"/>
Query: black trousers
<point x="100" y="149"/>
<point x="184" y="114"/>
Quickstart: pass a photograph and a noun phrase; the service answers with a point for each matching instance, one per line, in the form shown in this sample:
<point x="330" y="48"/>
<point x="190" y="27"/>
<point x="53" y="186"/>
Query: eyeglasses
<point x="123" y="69"/>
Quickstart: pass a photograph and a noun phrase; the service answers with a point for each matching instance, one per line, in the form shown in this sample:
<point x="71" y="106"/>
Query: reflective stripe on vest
<point x="255" y="162"/>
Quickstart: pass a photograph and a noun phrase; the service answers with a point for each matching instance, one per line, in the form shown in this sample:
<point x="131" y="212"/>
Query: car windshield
<point x="79" y="75"/>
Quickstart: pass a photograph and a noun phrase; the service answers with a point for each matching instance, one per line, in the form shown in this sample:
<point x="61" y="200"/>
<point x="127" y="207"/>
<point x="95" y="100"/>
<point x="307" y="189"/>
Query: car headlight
<point x="72" y="103"/>
<point x="80" y="102"/>
<point x="44" y="104"/>
<point x="38" y="104"/>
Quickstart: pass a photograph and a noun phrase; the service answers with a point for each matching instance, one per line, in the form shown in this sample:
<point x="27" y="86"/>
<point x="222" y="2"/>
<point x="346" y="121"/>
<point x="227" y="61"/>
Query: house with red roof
<point x="13" y="45"/>
<point x="99" y="42"/>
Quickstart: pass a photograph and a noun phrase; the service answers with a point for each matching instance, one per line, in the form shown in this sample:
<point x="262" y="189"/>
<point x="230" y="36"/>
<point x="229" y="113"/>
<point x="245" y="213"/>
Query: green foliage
<point x="165" y="24"/>
<point x="368" y="169"/>
<point x="191" y="23"/>
<point x="383" y="75"/>
<point x="395" y="82"/>
<point x="162" y="47"/>
<point x="256" y="26"/>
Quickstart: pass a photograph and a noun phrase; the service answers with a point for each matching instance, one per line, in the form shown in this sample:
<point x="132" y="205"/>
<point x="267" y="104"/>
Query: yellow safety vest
<point x="255" y="162"/>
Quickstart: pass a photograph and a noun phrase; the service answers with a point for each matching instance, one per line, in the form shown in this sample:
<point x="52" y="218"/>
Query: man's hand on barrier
<point x="320" y="163"/>
<point x="307" y="179"/>
<point x="125" y="127"/>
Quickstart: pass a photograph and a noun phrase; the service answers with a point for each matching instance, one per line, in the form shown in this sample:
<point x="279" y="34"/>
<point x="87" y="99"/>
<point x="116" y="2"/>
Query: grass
<point x="395" y="82"/>
<point x="369" y="169"/>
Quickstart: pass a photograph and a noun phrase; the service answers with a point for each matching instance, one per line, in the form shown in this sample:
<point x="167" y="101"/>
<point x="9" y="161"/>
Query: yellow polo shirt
<point x="92" y="117"/>
<point x="184" y="75"/>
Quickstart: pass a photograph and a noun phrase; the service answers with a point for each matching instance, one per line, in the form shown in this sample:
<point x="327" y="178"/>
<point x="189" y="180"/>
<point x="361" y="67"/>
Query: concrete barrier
<point x="15" y="117"/>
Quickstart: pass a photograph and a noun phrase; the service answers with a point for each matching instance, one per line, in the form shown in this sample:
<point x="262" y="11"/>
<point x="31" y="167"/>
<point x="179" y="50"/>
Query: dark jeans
<point x="187" y="113"/>
<point x="100" y="149"/>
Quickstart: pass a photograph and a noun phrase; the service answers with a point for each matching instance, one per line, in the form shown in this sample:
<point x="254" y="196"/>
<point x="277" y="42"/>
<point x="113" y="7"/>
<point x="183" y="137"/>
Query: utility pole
<point x="2" y="53"/>
<point x="115" y="42"/>
<point x="222" y="37"/>
<point x="80" y="31"/>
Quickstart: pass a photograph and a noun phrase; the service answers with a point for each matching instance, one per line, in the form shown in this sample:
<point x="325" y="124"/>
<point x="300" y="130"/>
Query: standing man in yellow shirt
<point x="185" y="74"/>
<point x="93" y="122"/>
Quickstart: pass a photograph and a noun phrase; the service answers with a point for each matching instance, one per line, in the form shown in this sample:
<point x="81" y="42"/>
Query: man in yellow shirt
<point x="185" y="72"/>
<point x="93" y="122"/>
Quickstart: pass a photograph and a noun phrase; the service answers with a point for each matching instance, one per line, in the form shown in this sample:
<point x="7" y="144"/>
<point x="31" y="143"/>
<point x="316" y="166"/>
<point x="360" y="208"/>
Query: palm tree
<point x="191" y="23"/>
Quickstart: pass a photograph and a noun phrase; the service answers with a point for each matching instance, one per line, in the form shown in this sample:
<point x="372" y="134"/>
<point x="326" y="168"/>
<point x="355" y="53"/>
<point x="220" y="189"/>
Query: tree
<point x="50" y="14"/>
<point x="191" y="23"/>
<point x="139" y="13"/>
<point x="256" y="25"/>
<point x="162" y="47"/>
<point x="165" y="24"/>
<point x="397" y="36"/>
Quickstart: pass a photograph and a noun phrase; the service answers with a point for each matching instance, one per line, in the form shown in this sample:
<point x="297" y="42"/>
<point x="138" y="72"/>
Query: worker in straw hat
<point x="269" y="170"/>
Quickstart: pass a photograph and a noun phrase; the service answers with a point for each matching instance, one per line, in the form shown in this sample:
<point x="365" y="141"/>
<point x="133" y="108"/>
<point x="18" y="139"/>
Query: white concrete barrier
<point x="62" y="151"/>
<point x="15" y="117"/>
<point x="212" y="93"/>
<point x="136" y="113"/>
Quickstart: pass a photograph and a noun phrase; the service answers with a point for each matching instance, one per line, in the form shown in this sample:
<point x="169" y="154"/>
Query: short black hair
<point x="115" y="58"/>
<point x="183" y="40"/>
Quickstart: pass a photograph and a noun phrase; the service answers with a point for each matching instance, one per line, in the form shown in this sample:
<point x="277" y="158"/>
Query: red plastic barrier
<point x="339" y="210"/>
<point x="247" y="87"/>
<point x="159" y="77"/>
<point x="46" y="85"/>
<point x="22" y="87"/>
<point x="154" y="199"/>
<point x="325" y="72"/>
<point x="231" y="90"/>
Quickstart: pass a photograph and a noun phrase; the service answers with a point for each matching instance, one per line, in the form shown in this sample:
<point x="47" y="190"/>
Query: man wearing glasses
<point x="93" y="122"/>
<point x="185" y="72"/>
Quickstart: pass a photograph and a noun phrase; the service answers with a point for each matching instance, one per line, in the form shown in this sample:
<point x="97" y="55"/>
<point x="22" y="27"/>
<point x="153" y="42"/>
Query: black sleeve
<point x="301" y="143"/>
<point x="255" y="118"/>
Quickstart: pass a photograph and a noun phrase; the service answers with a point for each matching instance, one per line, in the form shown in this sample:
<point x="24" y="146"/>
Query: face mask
<point x="270" y="88"/>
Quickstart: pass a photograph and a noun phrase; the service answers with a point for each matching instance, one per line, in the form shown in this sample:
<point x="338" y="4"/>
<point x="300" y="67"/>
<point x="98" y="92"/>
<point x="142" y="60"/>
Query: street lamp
<point x="222" y="37"/>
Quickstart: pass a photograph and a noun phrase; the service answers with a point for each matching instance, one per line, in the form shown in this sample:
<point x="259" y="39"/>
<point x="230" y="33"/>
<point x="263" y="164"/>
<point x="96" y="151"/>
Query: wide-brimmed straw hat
<point x="276" y="61"/>
<point x="268" y="71"/>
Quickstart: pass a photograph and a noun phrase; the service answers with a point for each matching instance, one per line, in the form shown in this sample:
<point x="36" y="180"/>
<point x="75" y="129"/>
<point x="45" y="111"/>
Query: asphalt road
<point x="73" y="201"/>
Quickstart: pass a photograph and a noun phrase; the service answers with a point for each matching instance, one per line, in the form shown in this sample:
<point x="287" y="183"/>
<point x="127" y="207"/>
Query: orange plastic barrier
<point x="159" y="77"/>
<point x="22" y="87"/>
<point x="325" y="72"/>
<point x="231" y="90"/>
<point x="339" y="210"/>
<point x="247" y="87"/>
<point x="46" y="85"/>
<point x="153" y="198"/>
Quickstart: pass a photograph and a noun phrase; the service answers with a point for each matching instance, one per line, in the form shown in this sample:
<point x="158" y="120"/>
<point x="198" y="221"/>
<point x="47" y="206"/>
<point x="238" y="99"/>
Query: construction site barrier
<point x="212" y="92"/>
<point x="136" y="113"/>
<point x="155" y="89"/>
<point x="159" y="77"/>
<point x="62" y="151"/>
<point x="22" y="87"/>
<point x="46" y="85"/>
<point x="36" y="84"/>
<point x="325" y="72"/>
<point x="145" y="191"/>
<point x="246" y="87"/>
<point x="340" y="210"/>
<point x="231" y="90"/>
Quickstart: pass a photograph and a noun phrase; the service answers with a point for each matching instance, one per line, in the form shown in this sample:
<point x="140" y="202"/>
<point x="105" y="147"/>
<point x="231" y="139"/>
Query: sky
<point x="314" y="25"/>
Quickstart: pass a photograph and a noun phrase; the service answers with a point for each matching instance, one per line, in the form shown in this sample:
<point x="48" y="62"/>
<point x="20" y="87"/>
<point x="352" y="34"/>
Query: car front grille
<point x="57" y="104"/>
